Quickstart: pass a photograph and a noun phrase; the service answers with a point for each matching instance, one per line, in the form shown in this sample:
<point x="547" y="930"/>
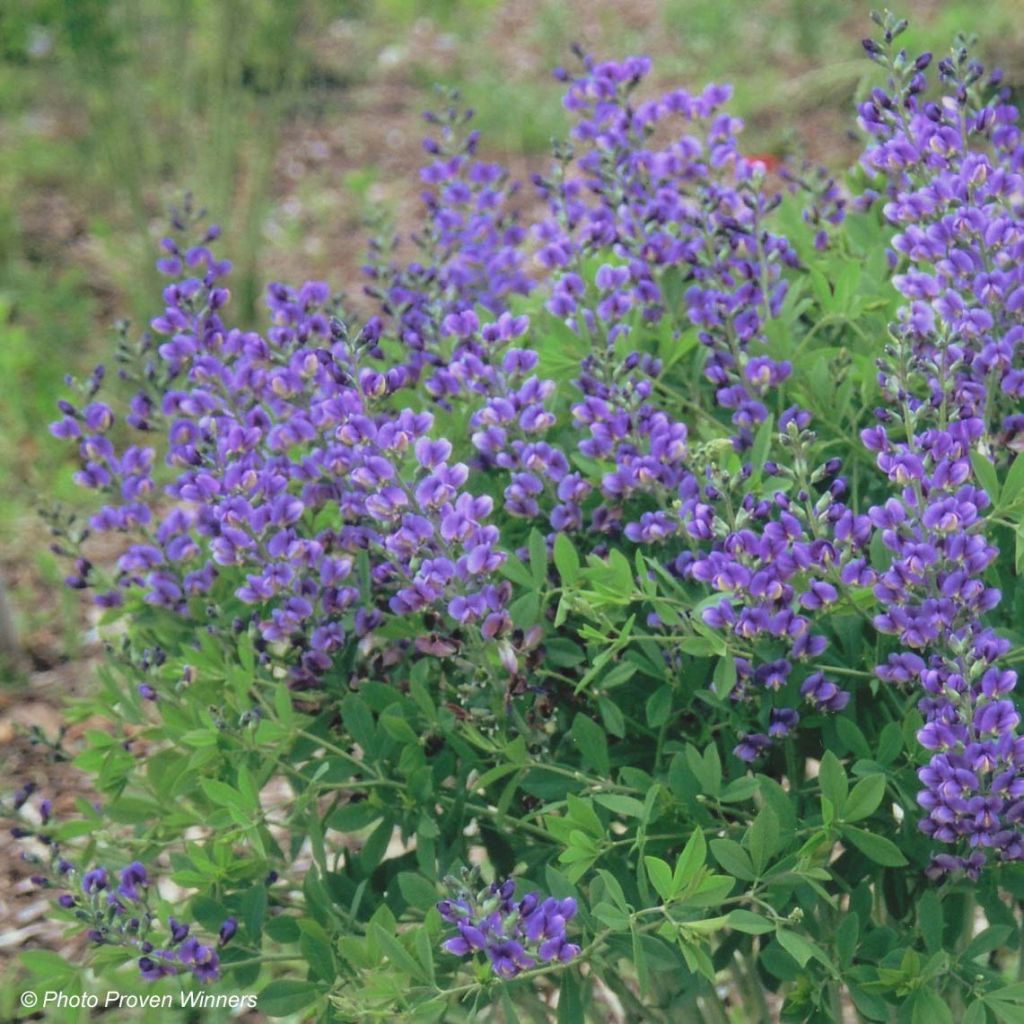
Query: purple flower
<point x="514" y="934"/>
<point x="132" y="877"/>
<point x="950" y="377"/>
<point x="752" y="746"/>
<point x="94" y="881"/>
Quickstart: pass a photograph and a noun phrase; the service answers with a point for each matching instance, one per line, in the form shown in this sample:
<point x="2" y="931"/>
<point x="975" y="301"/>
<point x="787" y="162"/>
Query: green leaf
<point x="195" y="738"/>
<point x="618" y="675"/>
<point x="283" y="705"/>
<point x="612" y="717"/>
<point x="538" y="548"/>
<point x="873" y="1007"/>
<point x="929" y="1008"/>
<point x="399" y="956"/>
<point x="254" y="909"/>
<point x="749" y="922"/>
<point x="284" y="997"/>
<point x="1014" y="483"/>
<point x="986" y="474"/>
<point x="762" y="839"/>
<point x="614" y="889"/>
<point x="514" y="569"/>
<point x="864" y="798"/>
<point x="725" y="676"/>
<point x="847" y="935"/>
<point x="711" y="777"/>
<point x="398" y="728"/>
<point x="690" y="861"/>
<point x="45" y="964"/>
<point x="832" y="780"/>
<point x="660" y="875"/>
<point x="975" y="1013"/>
<point x="733" y="858"/>
<point x="659" y="707"/>
<point x="875" y="847"/>
<point x="316" y="948"/>
<point x="1007" y="1013"/>
<point x="620" y="804"/>
<point x="643" y="969"/>
<point x="592" y="743"/>
<point x="740" y="790"/>
<point x="508" y="1008"/>
<point x="221" y="793"/>
<point x="416" y="890"/>
<point x="930" y="920"/>
<point x="988" y="940"/>
<point x="567" y="561"/>
<point x="1006" y="1002"/>
<point x="495" y="774"/>
<point x="795" y="945"/>
<point x="890" y="743"/>
<point x="358" y="721"/>
<point x="850" y="733"/>
<point x="759" y="449"/>
<point x="613" y="917"/>
<point x="525" y="609"/>
<point x="570" y="997"/>
<point x="581" y="812"/>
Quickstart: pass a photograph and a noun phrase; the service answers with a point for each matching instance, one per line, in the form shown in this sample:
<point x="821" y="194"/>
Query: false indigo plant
<point x="619" y="611"/>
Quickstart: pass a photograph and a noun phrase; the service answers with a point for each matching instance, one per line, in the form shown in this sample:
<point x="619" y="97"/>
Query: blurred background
<point x="292" y="121"/>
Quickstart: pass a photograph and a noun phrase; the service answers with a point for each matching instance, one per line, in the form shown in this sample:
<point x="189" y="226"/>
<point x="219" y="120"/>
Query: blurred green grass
<point x="111" y="109"/>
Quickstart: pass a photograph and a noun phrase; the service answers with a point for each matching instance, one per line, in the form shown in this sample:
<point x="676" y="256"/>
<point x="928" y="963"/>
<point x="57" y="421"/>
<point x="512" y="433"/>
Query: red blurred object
<point x="772" y="163"/>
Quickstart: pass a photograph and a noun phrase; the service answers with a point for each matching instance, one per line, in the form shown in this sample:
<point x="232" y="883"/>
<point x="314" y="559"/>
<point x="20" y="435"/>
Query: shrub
<point x="620" y="619"/>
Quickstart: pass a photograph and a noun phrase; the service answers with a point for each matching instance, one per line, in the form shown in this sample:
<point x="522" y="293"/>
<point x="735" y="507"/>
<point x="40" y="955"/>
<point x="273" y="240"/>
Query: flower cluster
<point x="684" y="216"/>
<point x="688" y="213"/>
<point x="470" y="245"/>
<point x="826" y="204"/>
<point x="782" y="561"/>
<point x="265" y="436"/>
<point x="515" y="934"/>
<point x="953" y="183"/>
<point x="953" y="173"/>
<point x="115" y="909"/>
<point x="342" y="493"/>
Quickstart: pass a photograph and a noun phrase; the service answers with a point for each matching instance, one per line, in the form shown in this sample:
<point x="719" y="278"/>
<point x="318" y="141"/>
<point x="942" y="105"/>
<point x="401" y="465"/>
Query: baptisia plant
<point x="606" y="618"/>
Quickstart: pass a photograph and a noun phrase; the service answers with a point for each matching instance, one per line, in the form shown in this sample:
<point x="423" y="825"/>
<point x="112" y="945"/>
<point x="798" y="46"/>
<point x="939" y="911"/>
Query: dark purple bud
<point x="22" y="794"/>
<point x="227" y="931"/>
